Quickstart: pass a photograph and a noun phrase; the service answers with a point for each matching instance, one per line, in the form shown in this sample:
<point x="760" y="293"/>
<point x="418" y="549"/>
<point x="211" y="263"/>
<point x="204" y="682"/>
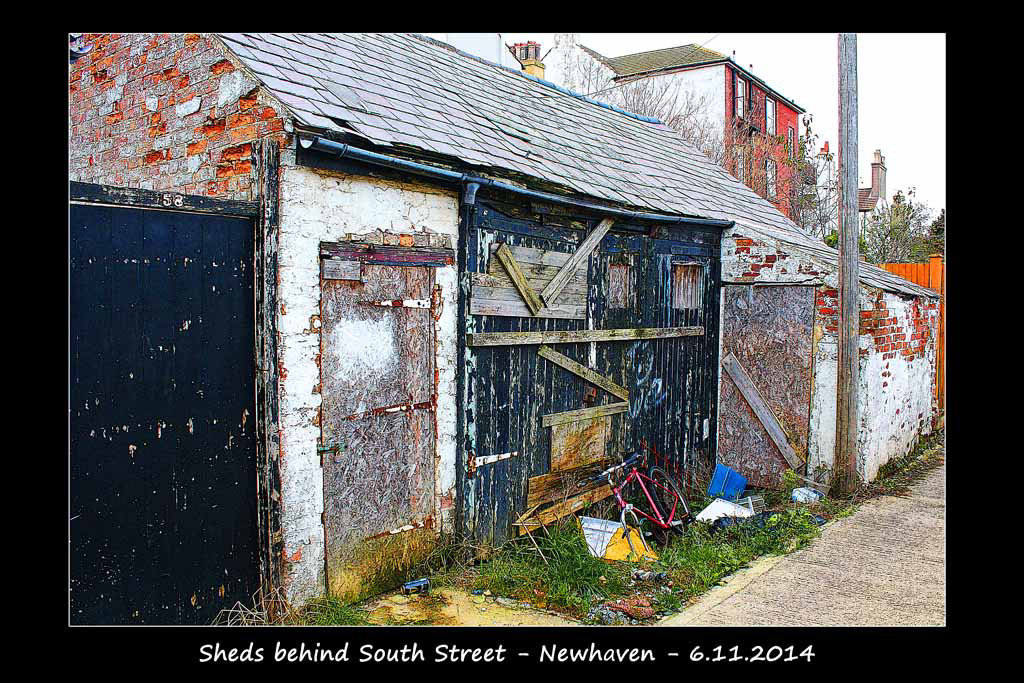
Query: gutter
<point x="473" y="183"/>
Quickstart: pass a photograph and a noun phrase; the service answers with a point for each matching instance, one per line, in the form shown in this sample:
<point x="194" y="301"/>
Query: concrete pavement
<point x="884" y="565"/>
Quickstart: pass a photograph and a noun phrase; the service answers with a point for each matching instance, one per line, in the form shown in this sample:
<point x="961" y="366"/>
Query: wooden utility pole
<point x="845" y="462"/>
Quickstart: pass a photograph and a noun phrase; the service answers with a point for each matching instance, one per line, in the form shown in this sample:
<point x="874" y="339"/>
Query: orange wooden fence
<point x="932" y="275"/>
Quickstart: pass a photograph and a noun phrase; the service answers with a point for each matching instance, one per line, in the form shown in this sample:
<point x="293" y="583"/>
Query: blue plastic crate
<point x="726" y="483"/>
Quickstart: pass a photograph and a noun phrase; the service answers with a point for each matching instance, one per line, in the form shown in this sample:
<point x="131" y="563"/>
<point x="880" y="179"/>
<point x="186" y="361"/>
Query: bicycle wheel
<point x="670" y="500"/>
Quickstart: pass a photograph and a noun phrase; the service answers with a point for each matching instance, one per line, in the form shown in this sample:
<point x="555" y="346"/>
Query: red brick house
<point x="760" y="127"/>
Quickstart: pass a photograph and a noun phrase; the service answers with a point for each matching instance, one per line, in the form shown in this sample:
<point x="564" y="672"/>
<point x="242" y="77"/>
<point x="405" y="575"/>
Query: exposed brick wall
<point x="167" y="112"/>
<point x="745" y="259"/>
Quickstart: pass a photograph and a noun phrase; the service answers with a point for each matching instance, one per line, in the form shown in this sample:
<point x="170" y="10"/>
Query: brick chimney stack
<point x="878" y="175"/>
<point x="528" y="54"/>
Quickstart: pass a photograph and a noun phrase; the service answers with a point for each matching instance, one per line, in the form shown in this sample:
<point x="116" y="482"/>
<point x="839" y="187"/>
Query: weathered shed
<point x="448" y="259"/>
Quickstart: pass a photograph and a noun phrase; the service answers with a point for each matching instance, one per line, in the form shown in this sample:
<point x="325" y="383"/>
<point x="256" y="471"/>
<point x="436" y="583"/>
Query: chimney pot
<point x="528" y="54"/>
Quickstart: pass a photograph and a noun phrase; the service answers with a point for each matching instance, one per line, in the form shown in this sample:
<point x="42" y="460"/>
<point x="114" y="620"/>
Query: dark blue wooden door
<point x="163" y="468"/>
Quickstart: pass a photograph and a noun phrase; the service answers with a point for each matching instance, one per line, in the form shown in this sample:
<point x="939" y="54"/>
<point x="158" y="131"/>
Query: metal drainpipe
<point x="340" y="150"/>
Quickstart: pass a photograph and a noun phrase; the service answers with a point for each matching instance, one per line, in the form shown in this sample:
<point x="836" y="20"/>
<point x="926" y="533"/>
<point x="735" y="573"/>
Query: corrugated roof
<point x="417" y="94"/>
<point x="653" y="60"/>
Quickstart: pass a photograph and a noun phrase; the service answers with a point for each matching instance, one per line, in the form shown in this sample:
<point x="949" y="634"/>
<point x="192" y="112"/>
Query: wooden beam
<point x="578" y="258"/>
<point x="845" y="459"/>
<point x="586" y="373"/>
<point x="580" y="336"/>
<point x="547" y="488"/>
<point x="583" y="413"/>
<point x="559" y="510"/>
<point x="152" y="199"/>
<point x="761" y="409"/>
<point x="518" y="279"/>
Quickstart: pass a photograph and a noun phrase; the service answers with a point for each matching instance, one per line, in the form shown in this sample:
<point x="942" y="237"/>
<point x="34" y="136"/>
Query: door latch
<point x="336" y="448"/>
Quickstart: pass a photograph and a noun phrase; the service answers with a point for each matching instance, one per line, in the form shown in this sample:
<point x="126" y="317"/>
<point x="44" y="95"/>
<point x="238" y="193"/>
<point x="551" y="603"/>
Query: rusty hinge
<point x="474" y="461"/>
<point x="396" y="408"/>
<point x="426" y="523"/>
<point x="323" y="518"/>
<point x="399" y="303"/>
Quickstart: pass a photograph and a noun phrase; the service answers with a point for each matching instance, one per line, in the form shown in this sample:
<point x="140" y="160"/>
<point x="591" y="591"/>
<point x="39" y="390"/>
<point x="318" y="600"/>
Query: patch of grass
<point x="700" y="559"/>
<point x="571" y="579"/>
<point x="329" y="612"/>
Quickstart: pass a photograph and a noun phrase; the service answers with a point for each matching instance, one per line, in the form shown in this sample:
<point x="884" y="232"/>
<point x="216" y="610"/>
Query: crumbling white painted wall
<point x="896" y="400"/>
<point x="321" y="206"/>
<point x="704" y="89"/>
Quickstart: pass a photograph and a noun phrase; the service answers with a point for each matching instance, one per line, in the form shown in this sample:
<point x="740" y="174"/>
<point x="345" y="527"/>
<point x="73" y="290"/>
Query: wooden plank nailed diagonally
<point x="518" y="279"/>
<point x="578" y="258"/>
<point x="580" y="336"/>
<point x="583" y="413"/>
<point x="586" y="373"/>
<point x="761" y="409"/>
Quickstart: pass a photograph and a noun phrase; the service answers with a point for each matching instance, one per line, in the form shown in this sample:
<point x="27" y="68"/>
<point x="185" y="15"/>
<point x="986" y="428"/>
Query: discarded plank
<point x="559" y="510"/>
<point x="580" y="336"/>
<point x="518" y="279"/>
<point x="558" y="485"/>
<point x="586" y="373"/>
<point x="583" y="413"/>
<point x="578" y="258"/>
<point x="761" y="409"/>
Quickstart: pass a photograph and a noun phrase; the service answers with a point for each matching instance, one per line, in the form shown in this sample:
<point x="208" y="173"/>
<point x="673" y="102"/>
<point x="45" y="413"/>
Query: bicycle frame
<point x="634" y="473"/>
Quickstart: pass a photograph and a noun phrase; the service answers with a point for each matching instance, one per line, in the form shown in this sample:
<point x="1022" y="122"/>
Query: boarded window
<point x="619" y="291"/>
<point x="685" y="285"/>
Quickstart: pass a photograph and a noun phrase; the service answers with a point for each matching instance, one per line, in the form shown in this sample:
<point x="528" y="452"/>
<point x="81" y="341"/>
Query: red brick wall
<point x="890" y="337"/>
<point x="765" y="147"/>
<point x="144" y="113"/>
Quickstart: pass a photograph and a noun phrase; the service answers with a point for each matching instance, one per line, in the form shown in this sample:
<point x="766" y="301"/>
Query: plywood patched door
<point x="377" y="424"/>
<point x="768" y="330"/>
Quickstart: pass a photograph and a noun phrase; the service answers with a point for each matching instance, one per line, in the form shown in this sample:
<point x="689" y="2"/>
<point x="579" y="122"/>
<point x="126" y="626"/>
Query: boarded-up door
<point x="377" y="423"/>
<point x="163" y="454"/>
<point x="516" y="399"/>
<point x="768" y="331"/>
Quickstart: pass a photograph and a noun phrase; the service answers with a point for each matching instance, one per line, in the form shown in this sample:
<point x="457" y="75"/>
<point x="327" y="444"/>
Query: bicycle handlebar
<point x="604" y="474"/>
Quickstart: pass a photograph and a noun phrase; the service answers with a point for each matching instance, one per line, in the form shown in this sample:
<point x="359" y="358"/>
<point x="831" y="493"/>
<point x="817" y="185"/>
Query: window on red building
<point x="741" y="93"/>
<point x="769" y="168"/>
<point x="740" y="154"/>
<point x="769" y="116"/>
<point x="791" y="142"/>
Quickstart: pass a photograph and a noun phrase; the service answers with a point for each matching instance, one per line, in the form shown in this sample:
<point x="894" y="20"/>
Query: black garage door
<point x="162" y="425"/>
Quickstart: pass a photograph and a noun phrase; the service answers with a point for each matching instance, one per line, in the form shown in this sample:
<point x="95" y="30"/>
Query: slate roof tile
<point x="411" y="90"/>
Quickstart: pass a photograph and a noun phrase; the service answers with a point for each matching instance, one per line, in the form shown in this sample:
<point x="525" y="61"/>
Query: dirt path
<point x="884" y="565"/>
<point x="453" y="607"/>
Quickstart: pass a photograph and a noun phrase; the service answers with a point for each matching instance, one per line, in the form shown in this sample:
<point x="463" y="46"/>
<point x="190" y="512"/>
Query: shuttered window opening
<point x="619" y="290"/>
<point x="685" y="285"/>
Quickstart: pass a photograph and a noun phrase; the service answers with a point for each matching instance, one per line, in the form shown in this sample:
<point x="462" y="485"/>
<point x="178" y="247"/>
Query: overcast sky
<point x="901" y="91"/>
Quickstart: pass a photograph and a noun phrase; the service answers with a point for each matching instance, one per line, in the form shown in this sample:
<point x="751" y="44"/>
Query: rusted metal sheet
<point x="379" y="403"/>
<point x="768" y="330"/>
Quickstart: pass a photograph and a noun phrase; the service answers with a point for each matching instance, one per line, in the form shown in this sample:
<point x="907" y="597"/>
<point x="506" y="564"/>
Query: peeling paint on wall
<point x="321" y="206"/>
<point x="897" y="348"/>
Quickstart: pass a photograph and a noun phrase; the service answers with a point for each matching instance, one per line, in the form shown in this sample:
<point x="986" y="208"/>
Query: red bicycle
<point x="655" y="496"/>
